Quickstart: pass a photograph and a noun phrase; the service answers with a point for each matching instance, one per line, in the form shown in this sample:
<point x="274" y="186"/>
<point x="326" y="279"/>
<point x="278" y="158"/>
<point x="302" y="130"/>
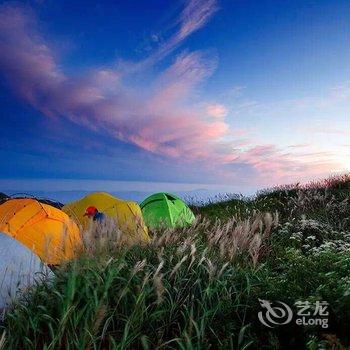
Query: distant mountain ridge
<point x="192" y="196"/>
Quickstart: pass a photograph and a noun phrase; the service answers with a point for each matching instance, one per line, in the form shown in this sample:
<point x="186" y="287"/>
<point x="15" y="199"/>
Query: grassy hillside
<point x="199" y="287"/>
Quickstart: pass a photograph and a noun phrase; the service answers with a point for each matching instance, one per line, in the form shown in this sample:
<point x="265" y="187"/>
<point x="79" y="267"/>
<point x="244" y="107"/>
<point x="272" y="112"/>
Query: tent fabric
<point x="128" y="214"/>
<point x="166" y="210"/>
<point x="46" y="230"/>
<point x="20" y="268"/>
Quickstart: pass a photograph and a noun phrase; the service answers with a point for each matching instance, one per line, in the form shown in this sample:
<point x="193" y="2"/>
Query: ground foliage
<point x="199" y="287"/>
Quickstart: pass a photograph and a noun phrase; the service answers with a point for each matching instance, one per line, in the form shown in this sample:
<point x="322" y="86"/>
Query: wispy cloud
<point x="217" y="110"/>
<point x="195" y="15"/>
<point x="327" y="131"/>
<point x="161" y="122"/>
<point x="273" y="165"/>
<point x="300" y="145"/>
<point x="167" y="118"/>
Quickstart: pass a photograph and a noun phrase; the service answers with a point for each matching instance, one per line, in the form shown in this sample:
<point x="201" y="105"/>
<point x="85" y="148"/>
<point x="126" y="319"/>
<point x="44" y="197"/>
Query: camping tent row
<point x="158" y="210"/>
<point x="54" y="234"/>
<point x="34" y="234"/>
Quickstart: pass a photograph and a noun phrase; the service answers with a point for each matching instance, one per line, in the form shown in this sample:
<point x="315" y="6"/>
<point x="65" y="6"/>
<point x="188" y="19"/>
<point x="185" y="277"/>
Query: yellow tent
<point x="128" y="214"/>
<point x="47" y="231"/>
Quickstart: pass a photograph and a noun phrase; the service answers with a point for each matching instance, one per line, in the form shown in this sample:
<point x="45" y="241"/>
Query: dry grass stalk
<point x="229" y="239"/>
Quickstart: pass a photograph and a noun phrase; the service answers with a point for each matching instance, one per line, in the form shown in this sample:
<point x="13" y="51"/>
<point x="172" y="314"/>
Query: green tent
<point x="166" y="210"/>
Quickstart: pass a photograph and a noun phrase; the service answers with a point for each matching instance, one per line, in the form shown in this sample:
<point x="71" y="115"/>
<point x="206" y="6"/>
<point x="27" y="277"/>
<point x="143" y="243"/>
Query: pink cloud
<point x="177" y="81"/>
<point x="164" y="118"/>
<point x="161" y="123"/>
<point x="217" y="111"/>
<point x="195" y="15"/>
<point x="275" y="166"/>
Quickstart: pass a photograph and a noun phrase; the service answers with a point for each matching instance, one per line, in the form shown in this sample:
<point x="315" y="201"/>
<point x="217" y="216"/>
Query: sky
<point x="226" y="95"/>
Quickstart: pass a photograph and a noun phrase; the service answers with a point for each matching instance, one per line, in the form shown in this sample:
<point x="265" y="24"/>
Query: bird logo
<point x="274" y="315"/>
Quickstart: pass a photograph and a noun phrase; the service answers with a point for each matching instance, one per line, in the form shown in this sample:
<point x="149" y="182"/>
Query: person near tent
<point x="93" y="213"/>
<point x="121" y="214"/>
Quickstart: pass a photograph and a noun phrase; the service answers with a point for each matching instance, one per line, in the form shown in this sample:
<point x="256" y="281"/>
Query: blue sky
<point x="240" y="94"/>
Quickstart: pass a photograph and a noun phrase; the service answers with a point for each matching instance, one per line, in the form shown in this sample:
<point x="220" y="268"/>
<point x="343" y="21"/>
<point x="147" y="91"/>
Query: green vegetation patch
<point x="199" y="287"/>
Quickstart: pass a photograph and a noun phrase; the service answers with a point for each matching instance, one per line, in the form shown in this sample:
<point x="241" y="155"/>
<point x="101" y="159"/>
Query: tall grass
<point x="198" y="287"/>
<point x="148" y="297"/>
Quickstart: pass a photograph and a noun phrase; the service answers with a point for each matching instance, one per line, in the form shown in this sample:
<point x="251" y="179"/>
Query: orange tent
<point x="47" y="231"/>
